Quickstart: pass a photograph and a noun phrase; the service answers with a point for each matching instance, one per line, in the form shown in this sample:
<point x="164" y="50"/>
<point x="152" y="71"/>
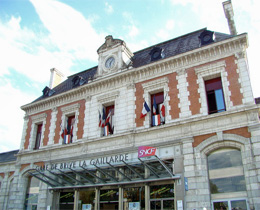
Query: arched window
<point x="226" y="179"/>
<point x="31" y="198"/>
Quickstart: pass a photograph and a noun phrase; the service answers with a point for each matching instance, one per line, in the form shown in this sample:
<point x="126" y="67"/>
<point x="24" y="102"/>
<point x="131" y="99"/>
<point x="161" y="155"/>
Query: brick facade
<point x="187" y="137"/>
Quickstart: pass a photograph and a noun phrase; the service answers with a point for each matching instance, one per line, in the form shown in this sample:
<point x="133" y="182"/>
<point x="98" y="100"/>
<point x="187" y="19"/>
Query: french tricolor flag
<point x="106" y="130"/>
<point x="100" y="119"/>
<point x="145" y="110"/>
<point x="154" y="106"/>
<point x="156" y="120"/>
<point x="67" y="139"/>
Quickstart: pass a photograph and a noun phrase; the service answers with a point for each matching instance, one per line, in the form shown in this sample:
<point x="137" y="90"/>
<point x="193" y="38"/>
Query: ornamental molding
<point x="211" y="68"/>
<point x="39" y="117"/>
<point x="106" y="98"/>
<point x="155" y="84"/>
<point x="70" y="108"/>
<point x="200" y="56"/>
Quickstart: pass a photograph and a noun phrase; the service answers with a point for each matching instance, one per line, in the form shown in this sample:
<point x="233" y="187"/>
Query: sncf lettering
<point x="146" y="151"/>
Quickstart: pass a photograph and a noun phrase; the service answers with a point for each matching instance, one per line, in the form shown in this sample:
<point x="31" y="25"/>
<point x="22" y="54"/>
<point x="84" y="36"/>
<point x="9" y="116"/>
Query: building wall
<point x="189" y="130"/>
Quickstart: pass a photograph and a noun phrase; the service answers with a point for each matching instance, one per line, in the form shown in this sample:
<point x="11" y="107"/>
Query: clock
<point x="110" y="62"/>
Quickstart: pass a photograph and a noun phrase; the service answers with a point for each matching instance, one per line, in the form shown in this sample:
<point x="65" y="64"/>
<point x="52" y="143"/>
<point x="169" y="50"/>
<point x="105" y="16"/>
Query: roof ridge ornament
<point x="110" y="42"/>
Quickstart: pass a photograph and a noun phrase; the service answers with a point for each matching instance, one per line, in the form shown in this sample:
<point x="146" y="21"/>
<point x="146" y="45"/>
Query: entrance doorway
<point x="66" y="201"/>
<point x="109" y="199"/>
<point x="162" y="204"/>
<point x="162" y="197"/>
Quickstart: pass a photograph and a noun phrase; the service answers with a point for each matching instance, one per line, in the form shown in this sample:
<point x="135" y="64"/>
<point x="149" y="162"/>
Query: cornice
<point x="205" y="54"/>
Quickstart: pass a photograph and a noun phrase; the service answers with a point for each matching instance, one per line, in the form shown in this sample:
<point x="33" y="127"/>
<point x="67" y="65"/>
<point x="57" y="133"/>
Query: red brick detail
<point x="173" y="94"/>
<point x="239" y="131"/>
<point x="199" y="139"/>
<point x="81" y="117"/>
<point x="11" y="173"/>
<point x="58" y="128"/>
<point x="232" y="77"/>
<point x="139" y="104"/>
<point x="193" y="88"/>
<point x="47" y="128"/>
<point x="80" y="123"/>
<point x="46" y="132"/>
<point x="2" y="175"/>
<point x="23" y="166"/>
<point x="28" y="131"/>
<point x="234" y="85"/>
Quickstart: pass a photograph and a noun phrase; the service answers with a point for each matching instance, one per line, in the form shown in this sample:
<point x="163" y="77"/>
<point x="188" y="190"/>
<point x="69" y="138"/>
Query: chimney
<point x="229" y="13"/>
<point x="56" y="78"/>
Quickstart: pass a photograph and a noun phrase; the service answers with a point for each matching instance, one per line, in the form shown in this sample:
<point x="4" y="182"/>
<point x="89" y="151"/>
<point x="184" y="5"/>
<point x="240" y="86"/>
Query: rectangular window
<point x="215" y="96"/>
<point x="109" y="119"/>
<point x="158" y="109"/>
<point x="227" y="185"/>
<point x="38" y="136"/>
<point x="67" y="133"/>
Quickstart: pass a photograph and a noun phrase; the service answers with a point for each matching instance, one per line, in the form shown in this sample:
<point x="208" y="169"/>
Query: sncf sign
<point x="145" y="151"/>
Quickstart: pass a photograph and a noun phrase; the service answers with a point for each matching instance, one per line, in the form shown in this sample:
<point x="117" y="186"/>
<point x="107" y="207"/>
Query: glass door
<point x="156" y="205"/>
<point x="168" y="204"/>
<point x="109" y="199"/>
<point x="162" y="197"/>
<point x="162" y="204"/>
<point x="66" y="201"/>
<point x="220" y="205"/>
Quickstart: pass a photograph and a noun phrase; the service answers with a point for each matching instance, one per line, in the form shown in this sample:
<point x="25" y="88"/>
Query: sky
<point x="37" y="35"/>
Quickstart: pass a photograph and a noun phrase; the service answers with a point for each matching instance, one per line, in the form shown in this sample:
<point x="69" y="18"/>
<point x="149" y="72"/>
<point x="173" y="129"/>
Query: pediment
<point x="110" y="43"/>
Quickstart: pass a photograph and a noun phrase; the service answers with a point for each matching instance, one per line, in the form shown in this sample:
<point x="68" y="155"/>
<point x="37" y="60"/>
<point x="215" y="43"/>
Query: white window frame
<point x="208" y="72"/>
<point x="105" y="100"/>
<point x="36" y="120"/>
<point x="66" y="112"/>
<point x="153" y="87"/>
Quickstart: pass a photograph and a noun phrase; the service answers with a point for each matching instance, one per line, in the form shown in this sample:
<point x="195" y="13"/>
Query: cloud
<point x="11" y="114"/>
<point x="70" y="39"/>
<point x="165" y="32"/>
<point x="133" y="30"/>
<point x="170" y="25"/>
<point x="68" y="29"/>
<point x="108" y="8"/>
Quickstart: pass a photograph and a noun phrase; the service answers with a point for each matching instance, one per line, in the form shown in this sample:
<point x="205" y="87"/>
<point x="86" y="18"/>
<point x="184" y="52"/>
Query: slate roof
<point x="170" y="48"/>
<point x="8" y="156"/>
<point x="175" y="46"/>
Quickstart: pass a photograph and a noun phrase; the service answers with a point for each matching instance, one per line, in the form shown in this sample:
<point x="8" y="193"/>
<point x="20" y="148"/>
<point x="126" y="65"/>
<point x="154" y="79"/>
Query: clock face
<point x="110" y="62"/>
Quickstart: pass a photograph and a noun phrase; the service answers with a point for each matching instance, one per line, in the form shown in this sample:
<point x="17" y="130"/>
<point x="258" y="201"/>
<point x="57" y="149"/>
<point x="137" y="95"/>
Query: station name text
<point x="84" y="163"/>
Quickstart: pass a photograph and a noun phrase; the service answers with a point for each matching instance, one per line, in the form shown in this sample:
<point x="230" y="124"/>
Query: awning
<point x="143" y="170"/>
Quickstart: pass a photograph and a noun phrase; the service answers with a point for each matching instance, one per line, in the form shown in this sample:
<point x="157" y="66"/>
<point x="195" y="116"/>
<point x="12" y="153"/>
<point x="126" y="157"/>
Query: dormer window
<point x="206" y="37"/>
<point x="78" y="80"/>
<point x="156" y="53"/>
<point x="47" y="91"/>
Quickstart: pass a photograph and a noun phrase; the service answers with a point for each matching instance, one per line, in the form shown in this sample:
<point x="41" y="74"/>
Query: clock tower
<point x="113" y="56"/>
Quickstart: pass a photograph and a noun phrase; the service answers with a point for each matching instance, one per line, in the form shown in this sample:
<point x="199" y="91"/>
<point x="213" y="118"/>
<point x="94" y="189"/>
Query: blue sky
<point x="37" y="35"/>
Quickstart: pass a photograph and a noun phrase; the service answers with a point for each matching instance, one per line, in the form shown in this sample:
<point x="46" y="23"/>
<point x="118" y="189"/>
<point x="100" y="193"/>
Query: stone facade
<point x="189" y="134"/>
